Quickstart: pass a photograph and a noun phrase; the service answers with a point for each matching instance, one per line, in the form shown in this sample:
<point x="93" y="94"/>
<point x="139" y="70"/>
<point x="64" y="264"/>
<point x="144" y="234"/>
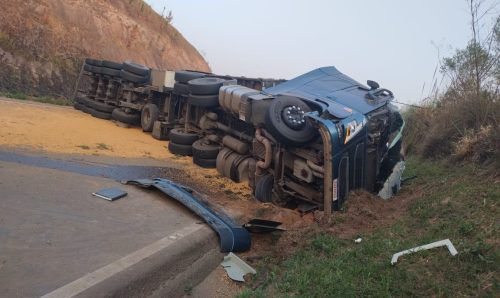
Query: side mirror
<point x="372" y="84"/>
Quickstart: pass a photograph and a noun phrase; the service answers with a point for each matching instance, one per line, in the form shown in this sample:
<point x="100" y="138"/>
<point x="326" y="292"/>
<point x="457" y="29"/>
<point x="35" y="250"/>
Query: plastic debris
<point x="393" y="183"/>
<point x="440" y="243"/>
<point x="262" y="226"/>
<point x="236" y="268"/>
<point x="110" y="194"/>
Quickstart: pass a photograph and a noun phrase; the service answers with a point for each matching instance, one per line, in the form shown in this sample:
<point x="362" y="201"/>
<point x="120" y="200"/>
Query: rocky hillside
<point x="42" y="42"/>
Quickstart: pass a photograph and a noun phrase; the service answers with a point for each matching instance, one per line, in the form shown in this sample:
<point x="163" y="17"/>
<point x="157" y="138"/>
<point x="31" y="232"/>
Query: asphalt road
<point x="55" y="235"/>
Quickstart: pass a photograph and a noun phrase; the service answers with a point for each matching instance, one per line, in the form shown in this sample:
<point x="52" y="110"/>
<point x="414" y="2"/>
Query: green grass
<point x="61" y="101"/>
<point x="459" y="203"/>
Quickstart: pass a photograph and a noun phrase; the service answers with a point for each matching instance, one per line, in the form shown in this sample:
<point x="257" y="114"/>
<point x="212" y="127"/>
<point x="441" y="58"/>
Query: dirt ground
<point x="57" y="129"/>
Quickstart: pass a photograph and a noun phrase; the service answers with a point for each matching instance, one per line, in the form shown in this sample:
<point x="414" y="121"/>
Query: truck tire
<point x="128" y="76"/>
<point x="93" y="62"/>
<point x="87" y="67"/>
<point x="121" y="116"/>
<point x="264" y="188"/>
<point x="221" y="160"/>
<point x="184" y="76"/>
<point x="149" y="115"/>
<point x="80" y="99"/>
<point x="78" y="106"/>
<point x="101" y="106"/>
<point x="86" y="109"/>
<point x="112" y="64"/>
<point x="280" y="117"/>
<point x="205" y="150"/>
<point x="86" y="101"/>
<point x="180" y="149"/>
<point x="137" y="69"/>
<point x="204" y="163"/>
<point x="93" y="69"/>
<point x="180" y="89"/>
<point x="204" y="101"/>
<point x="100" y="115"/>
<point x="111" y="72"/>
<point x="205" y="86"/>
<point x="179" y="136"/>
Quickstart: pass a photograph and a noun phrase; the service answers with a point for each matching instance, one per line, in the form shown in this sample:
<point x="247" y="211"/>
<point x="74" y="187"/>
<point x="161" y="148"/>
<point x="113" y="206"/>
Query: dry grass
<point x="461" y="128"/>
<point x="43" y="42"/>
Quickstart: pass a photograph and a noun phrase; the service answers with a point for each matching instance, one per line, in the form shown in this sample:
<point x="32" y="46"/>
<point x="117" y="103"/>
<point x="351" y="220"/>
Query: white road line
<point x="85" y="282"/>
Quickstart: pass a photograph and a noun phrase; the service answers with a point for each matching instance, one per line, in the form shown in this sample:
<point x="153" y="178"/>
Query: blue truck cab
<point x="359" y="133"/>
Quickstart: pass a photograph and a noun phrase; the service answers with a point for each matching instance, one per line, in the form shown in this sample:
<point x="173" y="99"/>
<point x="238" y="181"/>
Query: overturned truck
<point x="305" y="142"/>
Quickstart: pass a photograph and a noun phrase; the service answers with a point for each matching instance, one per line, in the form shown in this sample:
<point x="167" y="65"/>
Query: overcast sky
<point x="393" y="42"/>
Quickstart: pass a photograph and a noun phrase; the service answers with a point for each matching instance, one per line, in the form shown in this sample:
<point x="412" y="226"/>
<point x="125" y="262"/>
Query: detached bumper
<point x="233" y="238"/>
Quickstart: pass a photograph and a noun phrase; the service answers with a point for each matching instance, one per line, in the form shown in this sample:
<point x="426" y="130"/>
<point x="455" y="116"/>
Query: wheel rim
<point x="293" y="117"/>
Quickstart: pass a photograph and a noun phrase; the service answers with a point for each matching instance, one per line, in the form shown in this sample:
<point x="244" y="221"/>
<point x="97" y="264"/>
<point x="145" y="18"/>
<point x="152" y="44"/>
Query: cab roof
<point x="332" y="90"/>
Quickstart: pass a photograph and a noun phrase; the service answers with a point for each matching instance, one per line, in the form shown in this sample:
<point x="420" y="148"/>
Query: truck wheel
<point x="204" y="163"/>
<point x="149" y="115"/>
<point x="101" y="106"/>
<point x="121" y="116"/>
<point x="203" y="149"/>
<point x="221" y="160"/>
<point x="100" y="115"/>
<point x="137" y="69"/>
<point x="180" y="149"/>
<point x="205" y="86"/>
<point x="112" y="64"/>
<point x="80" y="99"/>
<point x="138" y="79"/>
<point x="86" y="101"/>
<point x="111" y="72"/>
<point x="286" y="122"/>
<point x="184" y="76"/>
<point x="93" y="69"/>
<point x="87" y="67"/>
<point x="180" y="89"/>
<point x="93" y="62"/>
<point x="179" y="136"/>
<point x="86" y="109"/>
<point x="204" y="101"/>
<point x="78" y="106"/>
<point x="264" y="189"/>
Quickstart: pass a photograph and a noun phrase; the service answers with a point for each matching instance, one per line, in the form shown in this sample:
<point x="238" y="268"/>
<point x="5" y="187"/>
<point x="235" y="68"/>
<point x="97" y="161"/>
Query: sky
<point x="394" y="42"/>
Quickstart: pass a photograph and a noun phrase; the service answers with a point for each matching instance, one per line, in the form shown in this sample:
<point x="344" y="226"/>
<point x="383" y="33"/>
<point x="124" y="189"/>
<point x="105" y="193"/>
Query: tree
<point x="476" y="68"/>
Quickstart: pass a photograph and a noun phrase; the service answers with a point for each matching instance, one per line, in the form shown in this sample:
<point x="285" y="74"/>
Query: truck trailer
<point x="305" y="142"/>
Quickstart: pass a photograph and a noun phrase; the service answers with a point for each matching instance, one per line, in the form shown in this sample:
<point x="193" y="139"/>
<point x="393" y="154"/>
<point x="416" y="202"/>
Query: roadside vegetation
<point x="456" y="202"/>
<point x="61" y="101"/>
<point x="463" y="122"/>
<point x="452" y="143"/>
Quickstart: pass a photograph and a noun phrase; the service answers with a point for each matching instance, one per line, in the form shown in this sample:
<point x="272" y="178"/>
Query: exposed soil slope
<point x="42" y="42"/>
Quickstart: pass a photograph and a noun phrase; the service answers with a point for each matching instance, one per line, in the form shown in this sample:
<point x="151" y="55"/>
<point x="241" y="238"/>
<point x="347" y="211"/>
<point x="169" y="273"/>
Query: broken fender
<point x="233" y="238"/>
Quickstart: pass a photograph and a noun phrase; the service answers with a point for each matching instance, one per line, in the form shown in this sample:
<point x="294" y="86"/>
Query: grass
<point x="61" y="101"/>
<point x="459" y="203"/>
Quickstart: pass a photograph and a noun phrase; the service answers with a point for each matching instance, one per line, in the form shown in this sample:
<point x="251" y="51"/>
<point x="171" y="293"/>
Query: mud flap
<point x="233" y="238"/>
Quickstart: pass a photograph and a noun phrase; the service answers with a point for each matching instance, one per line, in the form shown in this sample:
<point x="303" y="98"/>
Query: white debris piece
<point x="236" y="268"/>
<point x="393" y="183"/>
<point x="440" y="243"/>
